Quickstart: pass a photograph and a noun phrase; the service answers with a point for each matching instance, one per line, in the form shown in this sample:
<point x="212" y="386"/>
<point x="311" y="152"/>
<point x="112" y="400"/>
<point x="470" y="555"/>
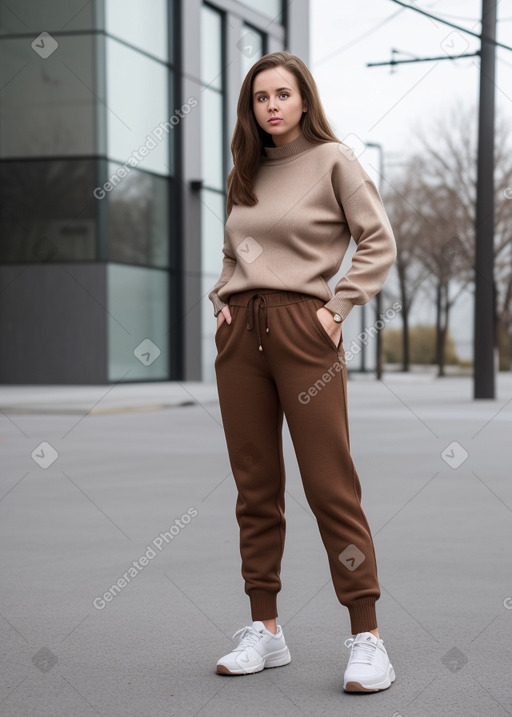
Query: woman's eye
<point x="281" y="96"/>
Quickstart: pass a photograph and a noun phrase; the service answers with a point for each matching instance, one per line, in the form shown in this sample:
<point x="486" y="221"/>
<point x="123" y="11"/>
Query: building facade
<point x="115" y="123"/>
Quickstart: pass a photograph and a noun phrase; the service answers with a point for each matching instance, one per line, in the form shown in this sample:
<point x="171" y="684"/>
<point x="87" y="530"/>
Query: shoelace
<point x="363" y="652"/>
<point x="248" y="637"/>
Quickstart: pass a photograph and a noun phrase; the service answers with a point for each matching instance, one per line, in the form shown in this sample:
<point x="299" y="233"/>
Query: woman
<point x="295" y="197"/>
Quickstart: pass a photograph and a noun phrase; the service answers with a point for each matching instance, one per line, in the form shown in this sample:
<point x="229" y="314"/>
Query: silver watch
<point x="337" y="318"/>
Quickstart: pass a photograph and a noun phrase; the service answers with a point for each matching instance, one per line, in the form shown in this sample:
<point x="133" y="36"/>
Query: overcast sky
<point x="378" y="105"/>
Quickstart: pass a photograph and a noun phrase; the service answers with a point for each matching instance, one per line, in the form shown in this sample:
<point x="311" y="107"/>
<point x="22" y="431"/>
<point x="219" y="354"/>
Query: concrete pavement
<point x="130" y="486"/>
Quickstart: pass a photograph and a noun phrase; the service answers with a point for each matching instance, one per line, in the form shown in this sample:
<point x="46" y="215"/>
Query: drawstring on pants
<point x="253" y="319"/>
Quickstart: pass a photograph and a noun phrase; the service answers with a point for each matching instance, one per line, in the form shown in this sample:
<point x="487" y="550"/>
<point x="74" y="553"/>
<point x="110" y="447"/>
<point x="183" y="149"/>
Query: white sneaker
<point x="369" y="668"/>
<point x="257" y="648"/>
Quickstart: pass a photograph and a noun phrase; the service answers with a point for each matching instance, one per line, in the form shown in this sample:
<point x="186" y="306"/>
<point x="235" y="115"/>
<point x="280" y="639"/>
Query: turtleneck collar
<point x="296" y="146"/>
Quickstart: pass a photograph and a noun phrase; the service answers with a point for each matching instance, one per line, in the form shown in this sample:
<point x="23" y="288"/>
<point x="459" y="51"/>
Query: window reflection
<point x="212" y="221"/>
<point x="138" y="298"/>
<point x="137" y="107"/>
<point x="47" y="211"/>
<point x="251" y="46"/>
<point x="270" y="8"/>
<point x="211" y="47"/>
<point x="213" y="175"/>
<point x="141" y="24"/>
<point x="213" y="143"/>
<point x="24" y="16"/>
<point x="138" y="219"/>
<point x="47" y="106"/>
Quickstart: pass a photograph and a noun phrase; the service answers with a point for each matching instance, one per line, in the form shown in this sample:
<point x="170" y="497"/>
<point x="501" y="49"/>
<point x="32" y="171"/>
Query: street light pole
<point x="378" y="298"/>
<point x="484" y="336"/>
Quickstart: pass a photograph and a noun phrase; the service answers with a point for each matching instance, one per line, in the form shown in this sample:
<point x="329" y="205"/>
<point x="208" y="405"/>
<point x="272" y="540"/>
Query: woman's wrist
<point x="330" y="324"/>
<point x="332" y="316"/>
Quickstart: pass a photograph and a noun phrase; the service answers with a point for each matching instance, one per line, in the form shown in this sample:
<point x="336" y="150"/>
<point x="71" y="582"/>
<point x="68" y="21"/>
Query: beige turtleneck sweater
<point x="311" y="199"/>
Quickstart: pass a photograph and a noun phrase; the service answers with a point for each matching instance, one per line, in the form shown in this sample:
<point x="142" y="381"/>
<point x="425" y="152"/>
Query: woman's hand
<point x="223" y="315"/>
<point x="332" y="327"/>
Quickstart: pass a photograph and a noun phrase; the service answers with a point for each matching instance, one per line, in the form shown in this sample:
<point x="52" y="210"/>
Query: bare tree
<point x="449" y="169"/>
<point x="433" y="213"/>
<point x="401" y="197"/>
<point x="445" y="258"/>
<point x="503" y="244"/>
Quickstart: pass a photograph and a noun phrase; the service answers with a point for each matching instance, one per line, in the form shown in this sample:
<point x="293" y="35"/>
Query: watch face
<point x="337" y="318"/>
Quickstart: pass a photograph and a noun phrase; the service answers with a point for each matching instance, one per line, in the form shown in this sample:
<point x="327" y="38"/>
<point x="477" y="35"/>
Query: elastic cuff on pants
<point x="263" y="605"/>
<point x="363" y="616"/>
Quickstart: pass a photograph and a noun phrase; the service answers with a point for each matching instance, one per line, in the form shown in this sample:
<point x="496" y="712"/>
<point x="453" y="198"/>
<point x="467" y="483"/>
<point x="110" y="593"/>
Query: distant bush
<point x="505" y="349"/>
<point x="422" y="346"/>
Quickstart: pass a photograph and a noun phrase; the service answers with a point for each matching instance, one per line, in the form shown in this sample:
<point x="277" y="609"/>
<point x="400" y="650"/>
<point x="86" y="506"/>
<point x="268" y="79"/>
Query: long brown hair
<point x="249" y="138"/>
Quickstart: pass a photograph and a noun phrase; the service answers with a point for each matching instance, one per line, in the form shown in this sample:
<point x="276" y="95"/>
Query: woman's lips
<point x="274" y="120"/>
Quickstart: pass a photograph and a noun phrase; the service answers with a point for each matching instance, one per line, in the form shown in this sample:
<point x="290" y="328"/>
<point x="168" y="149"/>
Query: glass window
<point x="138" y="122"/>
<point x="251" y="45"/>
<point x="212" y="221"/>
<point x="211" y="47"/>
<point x="212" y="138"/>
<point x="140" y="23"/>
<point x="27" y="16"/>
<point x="138" y="323"/>
<point x="212" y="151"/>
<point x="48" y="105"/>
<point x="138" y="222"/>
<point x="47" y="210"/>
<point x="270" y="8"/>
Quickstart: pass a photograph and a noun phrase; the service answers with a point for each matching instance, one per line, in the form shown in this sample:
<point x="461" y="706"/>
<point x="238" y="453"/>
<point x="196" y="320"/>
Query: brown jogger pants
<point x="276" y="357"/>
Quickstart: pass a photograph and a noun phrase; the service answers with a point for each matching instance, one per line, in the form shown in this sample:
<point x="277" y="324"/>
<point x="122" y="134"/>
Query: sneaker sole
<point x="358" y="687"/>
<point x="279" y="661"/>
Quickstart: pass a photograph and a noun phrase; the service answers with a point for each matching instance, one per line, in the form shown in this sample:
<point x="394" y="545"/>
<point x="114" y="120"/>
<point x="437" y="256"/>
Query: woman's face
<point x="277" y="104"/>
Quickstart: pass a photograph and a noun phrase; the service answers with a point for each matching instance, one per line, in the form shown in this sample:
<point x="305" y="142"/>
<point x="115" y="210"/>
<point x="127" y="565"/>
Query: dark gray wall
<point x="53" y="324"/>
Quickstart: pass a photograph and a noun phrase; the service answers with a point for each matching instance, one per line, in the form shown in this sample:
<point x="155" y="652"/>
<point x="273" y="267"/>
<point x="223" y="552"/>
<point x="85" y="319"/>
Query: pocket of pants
<point x="321" y="329"/>
<point x="220" y="331"/>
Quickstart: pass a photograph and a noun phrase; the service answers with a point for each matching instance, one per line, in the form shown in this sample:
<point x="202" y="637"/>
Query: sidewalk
<point x="105" y="399"/>
<point x="120" y="568"/>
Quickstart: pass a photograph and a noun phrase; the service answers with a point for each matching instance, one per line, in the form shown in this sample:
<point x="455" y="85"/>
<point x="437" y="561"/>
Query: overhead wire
<point x="358" y="39"/>
<point x="450" y="24"/>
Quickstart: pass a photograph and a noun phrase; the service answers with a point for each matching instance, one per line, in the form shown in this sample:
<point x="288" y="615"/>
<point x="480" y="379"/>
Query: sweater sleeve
<point x="228" y="269"/>
<point x="370" y="228"/>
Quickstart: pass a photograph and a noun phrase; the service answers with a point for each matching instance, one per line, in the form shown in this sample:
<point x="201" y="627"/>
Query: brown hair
<point x="249" y="138"/>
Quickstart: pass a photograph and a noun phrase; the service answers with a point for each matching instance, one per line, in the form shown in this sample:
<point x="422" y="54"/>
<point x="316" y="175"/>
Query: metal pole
<point x="378" y="298"/>
<point x="484" y="335"/>
<point x="363" y="346"/>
